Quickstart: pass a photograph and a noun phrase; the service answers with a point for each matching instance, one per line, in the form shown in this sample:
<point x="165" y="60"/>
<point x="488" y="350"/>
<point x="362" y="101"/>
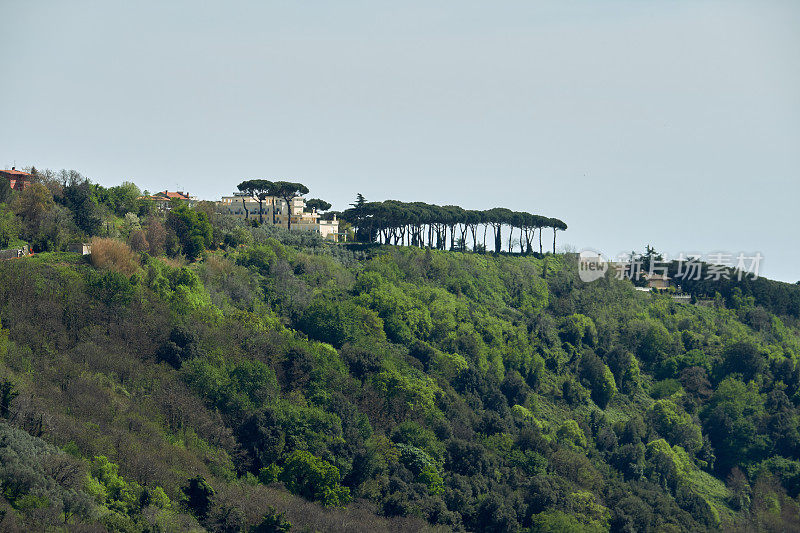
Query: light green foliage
<point x="607" y="386"/>
<point x="631" y="377"/>
<point x="589" y="511"/>
<point x="123" y="199"/>
<point x="118" y="494"/>
<point x="404" y="317"/>
<point x="269" y="474"/>
<point x="120" y="500"/>
<point x="158" y="498"/>
<point x="179" y="286"/>
<point x="260" y="258"/>
<point x="413" y="388"/>
<point x="570" y="434"/>
<point x="561" y="522"/>
<point x="314" y="478"/>
<point x="523" y="413"/>
<point x="430" y="477"/>
<point x="579" y="329"/>
<point x="669" y="465"/>
<point x="438" y="386"/>
<point x="535" y="299"/>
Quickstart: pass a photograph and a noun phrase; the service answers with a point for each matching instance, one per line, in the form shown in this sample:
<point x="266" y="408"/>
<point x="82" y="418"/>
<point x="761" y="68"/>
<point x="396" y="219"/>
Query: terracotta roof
<point x="15" y="173"/>
<point x="169" y="194"/>
<point x="166" y="195"/>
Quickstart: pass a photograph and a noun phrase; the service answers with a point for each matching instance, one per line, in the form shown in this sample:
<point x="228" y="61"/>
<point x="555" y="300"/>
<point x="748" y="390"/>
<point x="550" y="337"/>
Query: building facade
<point x="274" y="210"/>
<point x="18" y="180"/>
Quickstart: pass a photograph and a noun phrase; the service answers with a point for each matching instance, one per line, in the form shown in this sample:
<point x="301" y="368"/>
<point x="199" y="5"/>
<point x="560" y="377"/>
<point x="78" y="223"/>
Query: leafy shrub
<point x="677" y="427"/>
<point x="272" y="522"/>
<point x="10" y="226"/>
<point x="192" y="228"/>
<point x="112" y="287"/>
<point x="579" y="329"/>
<point x="598" y="378"/>
<point x="337" y="322"/>
<point x="570" y="433"/>
<point x="665" y="388"/>
<point x="314" y="478"/>
<point x="111" y="254"/>
<point x="198" y="495"/>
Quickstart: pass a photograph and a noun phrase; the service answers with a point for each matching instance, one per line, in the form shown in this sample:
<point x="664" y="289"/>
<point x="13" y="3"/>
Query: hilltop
<point x="279" y="378"/>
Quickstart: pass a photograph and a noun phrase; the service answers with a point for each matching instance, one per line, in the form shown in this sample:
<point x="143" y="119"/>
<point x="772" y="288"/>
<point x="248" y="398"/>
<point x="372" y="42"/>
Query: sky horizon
<point x="670" y="123"/>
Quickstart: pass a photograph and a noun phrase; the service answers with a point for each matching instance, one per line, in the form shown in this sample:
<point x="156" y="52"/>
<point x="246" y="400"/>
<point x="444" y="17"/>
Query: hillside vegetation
<point x="279" y="382"/>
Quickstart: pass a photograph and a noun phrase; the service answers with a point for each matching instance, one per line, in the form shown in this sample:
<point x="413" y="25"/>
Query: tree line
<point x="447" y="227"/>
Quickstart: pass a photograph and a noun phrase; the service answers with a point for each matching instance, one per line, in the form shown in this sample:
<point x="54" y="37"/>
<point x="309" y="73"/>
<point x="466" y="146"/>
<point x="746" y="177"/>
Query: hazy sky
<point x="675" y="123"/>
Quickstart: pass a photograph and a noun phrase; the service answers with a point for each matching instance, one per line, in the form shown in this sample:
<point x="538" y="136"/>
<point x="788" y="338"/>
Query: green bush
<point x="314" y="478"/>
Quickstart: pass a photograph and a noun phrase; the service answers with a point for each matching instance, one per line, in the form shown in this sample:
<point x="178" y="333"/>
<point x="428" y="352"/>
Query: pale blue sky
<point x="675" y="123"/>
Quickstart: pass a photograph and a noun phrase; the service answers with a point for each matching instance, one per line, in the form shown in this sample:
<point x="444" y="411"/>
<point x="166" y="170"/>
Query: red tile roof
<point x="166" y="195"/>
<point x="15" y="173"/>
<point x="175" y="195"/>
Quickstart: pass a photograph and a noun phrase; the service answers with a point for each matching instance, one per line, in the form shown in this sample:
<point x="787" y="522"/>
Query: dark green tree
<point x="198" y="495"/>
<point x="360" y="201"/>
<point x="10" y="227"/>
<point x="192" y="228"/>
<point x="7" y="395"/>
<point x="258" y="188"/>
<point x="287" y="190"/>
<point x="557" y="226"/>
<point x="316" y="203"/>
<point x="79" y="197"/>
<point x="273" y="522"/>
<point x="5" y="190"/>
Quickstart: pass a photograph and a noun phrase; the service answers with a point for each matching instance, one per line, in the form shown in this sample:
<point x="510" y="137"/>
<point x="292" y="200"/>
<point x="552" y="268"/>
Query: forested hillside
<point x="197" y="373"/>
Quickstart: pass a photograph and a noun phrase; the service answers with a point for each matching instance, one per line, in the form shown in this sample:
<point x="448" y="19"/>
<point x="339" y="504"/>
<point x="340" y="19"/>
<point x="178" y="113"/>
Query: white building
<point x="275" y="211"/>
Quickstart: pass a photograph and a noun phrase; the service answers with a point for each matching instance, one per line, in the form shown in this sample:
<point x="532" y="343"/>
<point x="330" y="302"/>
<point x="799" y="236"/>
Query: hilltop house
<point x="162" y="199"/>
<point x="275" y="211"/>
<point x="18" y="180"/>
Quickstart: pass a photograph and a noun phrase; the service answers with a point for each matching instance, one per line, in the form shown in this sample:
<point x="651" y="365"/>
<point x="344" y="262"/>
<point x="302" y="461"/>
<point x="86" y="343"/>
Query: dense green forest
<point x="198" y="373"/>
